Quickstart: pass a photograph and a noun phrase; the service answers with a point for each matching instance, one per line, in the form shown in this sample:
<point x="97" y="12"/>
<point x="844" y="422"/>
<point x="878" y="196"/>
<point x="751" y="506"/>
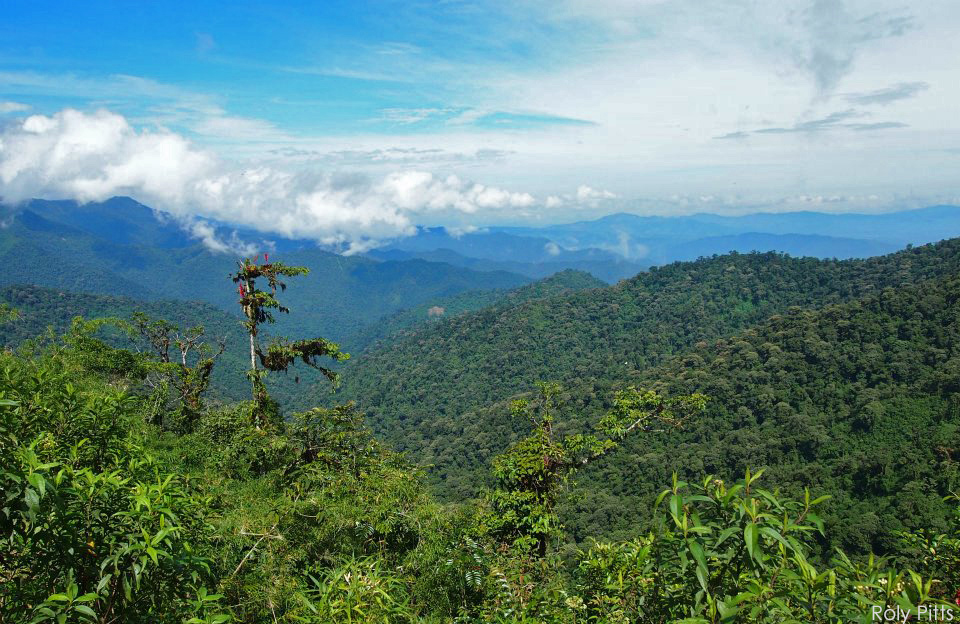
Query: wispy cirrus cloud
<point x="412" y="115"/>
<point x="839" y="120"/>
<point x="13" y="107"/>
<point x="833" y="120"/>
<point x="880" y="125"/>
<point x="343" y="72"/>
<point x="888" y="95"/>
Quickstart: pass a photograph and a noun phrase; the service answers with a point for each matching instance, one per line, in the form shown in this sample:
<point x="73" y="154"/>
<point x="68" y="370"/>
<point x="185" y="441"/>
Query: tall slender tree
<point x="258" y="306"/>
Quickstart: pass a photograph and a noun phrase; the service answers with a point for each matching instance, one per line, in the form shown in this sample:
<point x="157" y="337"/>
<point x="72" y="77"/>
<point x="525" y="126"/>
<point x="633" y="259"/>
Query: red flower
<point x="956" y="598"/>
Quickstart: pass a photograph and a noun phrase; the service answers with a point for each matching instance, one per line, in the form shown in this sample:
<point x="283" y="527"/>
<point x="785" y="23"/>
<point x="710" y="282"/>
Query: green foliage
<point x="436" y="310"/>
<point x="822" y="397"/>
<point x="92" y="528"/>
<point x="936" y="554"/>
<point x="42" y="308"/>
<point x="44" y="312"/>
<point x="189" y="375"/>
<point x="531" y="473"/>
<point x="8" y="313"/>
<point x="359" y="590"/>
<point x="857" y="401"/>
<point x="87" y="351"/>
<point x="106" y="517"/>
<point x="281" y="354"/>
<point x="733" y="554"/>
<point x="315" y="521"/>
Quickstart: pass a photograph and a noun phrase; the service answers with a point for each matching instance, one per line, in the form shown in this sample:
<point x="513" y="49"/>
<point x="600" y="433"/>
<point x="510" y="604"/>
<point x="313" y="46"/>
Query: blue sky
<point x="330" y="67"/>
<point x="351" y="121"/>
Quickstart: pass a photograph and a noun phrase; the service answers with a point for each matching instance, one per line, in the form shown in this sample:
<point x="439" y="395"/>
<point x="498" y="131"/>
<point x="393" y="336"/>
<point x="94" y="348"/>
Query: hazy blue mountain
<point x="123" y="247"/>
<point x="604" y="265"/>
<point x="491" y="245"/>
<point x="657" y="239"/>
<point x="119" y="220"/>
<point x="125" y="221"/>
<point x="623" y="232"/>
<point x="794" y="244"/>
<point x="920" y="226"/>
<point x="108" y="249"/>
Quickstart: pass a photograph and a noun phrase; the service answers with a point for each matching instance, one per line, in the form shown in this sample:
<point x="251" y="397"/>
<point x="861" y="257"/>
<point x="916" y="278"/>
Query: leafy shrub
<point x="92" y="529"/>
<point x="725" y="554"/>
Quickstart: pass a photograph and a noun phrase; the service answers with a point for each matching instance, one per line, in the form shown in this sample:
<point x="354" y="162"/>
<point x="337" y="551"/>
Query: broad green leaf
<point x="697" y="551"/>
<point x="751" y="538"/>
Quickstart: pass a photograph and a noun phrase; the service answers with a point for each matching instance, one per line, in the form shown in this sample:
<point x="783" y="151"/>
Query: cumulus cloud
<point x="585" y="194"/>
<point x="460" y="232"/>
<point x="421" y="191"/>
<point x="207" y="234"/>
<point x="93" y="156"/>
<point x="553" y="202"/>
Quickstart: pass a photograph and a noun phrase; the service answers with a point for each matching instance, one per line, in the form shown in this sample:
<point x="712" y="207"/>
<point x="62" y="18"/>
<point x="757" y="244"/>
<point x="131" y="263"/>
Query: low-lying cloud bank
<point x="94" y="156"/>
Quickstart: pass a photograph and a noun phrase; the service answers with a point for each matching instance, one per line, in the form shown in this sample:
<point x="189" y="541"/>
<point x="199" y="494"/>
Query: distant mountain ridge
<point x="604" y="265"/>
<point x="797" y="245"/>
<point x="655" y="239"/>
<point x="613" y="247"/>
<point x="121" y="248"/>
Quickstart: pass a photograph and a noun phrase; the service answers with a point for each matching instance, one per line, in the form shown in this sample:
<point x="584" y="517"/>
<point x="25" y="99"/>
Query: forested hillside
<point x="43" y="308"/>
<point x="115" y="513"/>
<point x="857" y="400"/>
<point x="419" y="390"/>
<point x="388" y="328"/>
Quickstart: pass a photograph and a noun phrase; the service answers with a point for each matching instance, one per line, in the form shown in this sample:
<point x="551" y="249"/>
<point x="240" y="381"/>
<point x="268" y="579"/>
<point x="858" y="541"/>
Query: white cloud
<point x="13" y="107"/>
<point x="207" y="234"/>
<point x="458" y="232"/>
<point x="587" y="194"/>
<point x="421" y="191"/>
<point x="93" y="156"/>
